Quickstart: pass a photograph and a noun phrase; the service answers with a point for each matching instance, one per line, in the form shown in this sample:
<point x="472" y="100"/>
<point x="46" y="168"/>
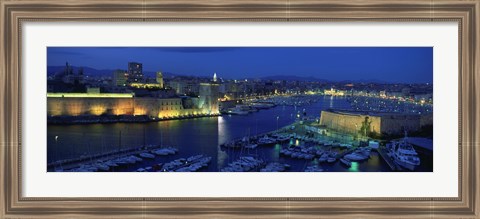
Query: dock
<point x="75" y="162"/>
<point x="383" y="153"/>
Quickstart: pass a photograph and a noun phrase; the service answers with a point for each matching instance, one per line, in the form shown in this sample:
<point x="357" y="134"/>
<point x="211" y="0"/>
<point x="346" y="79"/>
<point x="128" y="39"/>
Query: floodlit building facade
<point x="364" y="123"/>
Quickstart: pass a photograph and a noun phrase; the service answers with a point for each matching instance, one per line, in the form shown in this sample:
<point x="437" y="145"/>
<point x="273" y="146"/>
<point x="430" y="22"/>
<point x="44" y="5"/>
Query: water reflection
<point x="222" y="156"/>
<point x="276" y="150"/>
<point x="353" y="167"/>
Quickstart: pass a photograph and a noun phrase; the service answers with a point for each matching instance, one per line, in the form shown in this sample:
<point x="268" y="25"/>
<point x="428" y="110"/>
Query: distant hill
<point x="52" y="70"/>
<point x="293" y="78"/>
<point x="375" y="81"/>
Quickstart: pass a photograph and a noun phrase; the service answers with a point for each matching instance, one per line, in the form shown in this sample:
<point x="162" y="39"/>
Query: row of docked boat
<point x="313" y="168"/>
<point x="244" y="164"/>
<point x="262" y="105"/>
<point x="299" y="152"/>
<point x="359" y="154"/>
<point x="293" y="100"/>
<point x="254" y="142"/>
<point x="275" y="167"/>
<point x="244" y="109"/>
<point x="159" y="152"/>
<point x="100" y="156"/>
<point x="282" y="137"/>
<point x="190" y="164"/>
<point x="240" y="110"/>
<point x="165" y="151"/>
<point x="328" y="156"/>
<point x="271" y="139"/>
<point x="106" y="165"/>
<point x="321" y="142"/>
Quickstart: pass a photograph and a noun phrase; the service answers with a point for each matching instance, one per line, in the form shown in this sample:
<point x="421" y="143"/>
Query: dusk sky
<point x="388" y="64"/>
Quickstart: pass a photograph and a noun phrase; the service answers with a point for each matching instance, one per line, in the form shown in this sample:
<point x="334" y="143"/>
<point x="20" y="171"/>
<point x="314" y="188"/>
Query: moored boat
<point x="404" y="154"/>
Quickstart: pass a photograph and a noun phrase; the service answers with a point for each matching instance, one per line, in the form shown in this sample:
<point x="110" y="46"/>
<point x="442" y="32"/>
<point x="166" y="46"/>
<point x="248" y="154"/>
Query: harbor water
<point x="204" y="136"/>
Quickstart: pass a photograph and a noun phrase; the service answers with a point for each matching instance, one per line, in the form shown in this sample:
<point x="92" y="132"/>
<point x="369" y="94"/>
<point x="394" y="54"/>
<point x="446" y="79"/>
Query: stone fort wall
<point x="349" y="123"/>
<point x="382" y="124"/>
<point x="153" y="107"/>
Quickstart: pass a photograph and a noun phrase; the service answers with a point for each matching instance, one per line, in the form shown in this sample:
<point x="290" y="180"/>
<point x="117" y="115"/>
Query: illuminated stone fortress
<point x="98" y="104"/>
<point x="377" y="123"/>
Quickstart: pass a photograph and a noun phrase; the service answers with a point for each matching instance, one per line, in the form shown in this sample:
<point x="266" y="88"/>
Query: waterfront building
<point x="135" y="72"/>
<point x="383" y="94"/>
<point x="97" y="104"/>
<point x="145" y="85"/>
<point x="160" y="79"/>
<point x="185" y="87"/>
<point x="120" y="78"/>
<point x="69" y="77"/>
<point x="376" y="123"/>
<point x="395" y="94"/>
<point x="177" y="86"/>
<point x="423" y="97"/>
<point x="334" y="92"/>
<point x="208" y="97"/>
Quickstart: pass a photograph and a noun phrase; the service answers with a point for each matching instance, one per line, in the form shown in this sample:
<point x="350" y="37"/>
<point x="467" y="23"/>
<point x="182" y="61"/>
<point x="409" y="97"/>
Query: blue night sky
<point x="388" y="64"/>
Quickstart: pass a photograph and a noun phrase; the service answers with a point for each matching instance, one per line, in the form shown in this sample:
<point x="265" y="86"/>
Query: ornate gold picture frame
<point x="13" y="14"/>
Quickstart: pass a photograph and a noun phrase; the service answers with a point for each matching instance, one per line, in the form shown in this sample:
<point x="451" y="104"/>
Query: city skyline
<point x="385" y="64"/>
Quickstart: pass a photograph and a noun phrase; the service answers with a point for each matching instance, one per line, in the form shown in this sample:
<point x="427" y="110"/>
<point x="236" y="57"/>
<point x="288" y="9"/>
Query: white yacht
<point x="404" y="154"/>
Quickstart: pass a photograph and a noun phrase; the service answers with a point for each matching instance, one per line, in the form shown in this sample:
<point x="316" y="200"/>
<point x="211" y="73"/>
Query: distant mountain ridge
<point x="293" y="78"/>
<point x="314" y="79"/>
<point x="51" y="70"/>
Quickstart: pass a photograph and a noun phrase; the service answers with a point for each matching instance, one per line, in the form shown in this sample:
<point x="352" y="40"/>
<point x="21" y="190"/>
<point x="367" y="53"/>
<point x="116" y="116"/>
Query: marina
<point x="250" y="142"/>
<point x="255" y="117"/>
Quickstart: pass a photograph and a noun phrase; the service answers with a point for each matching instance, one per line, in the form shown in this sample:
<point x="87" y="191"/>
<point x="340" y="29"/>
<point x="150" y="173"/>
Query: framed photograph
<point x="259" y="109"/>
